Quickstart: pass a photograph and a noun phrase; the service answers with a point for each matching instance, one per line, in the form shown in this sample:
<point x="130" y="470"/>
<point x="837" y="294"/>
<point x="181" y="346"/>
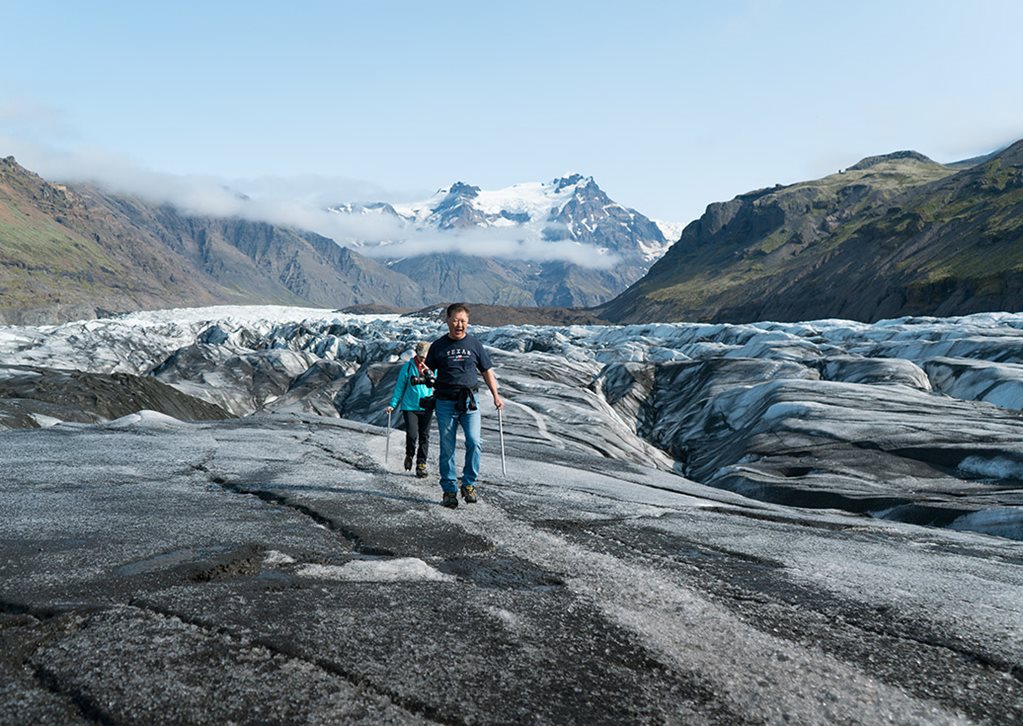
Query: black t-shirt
<point x="457" y="361"/>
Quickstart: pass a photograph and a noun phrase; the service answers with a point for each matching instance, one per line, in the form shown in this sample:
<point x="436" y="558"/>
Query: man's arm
<point x="491" y="381"/>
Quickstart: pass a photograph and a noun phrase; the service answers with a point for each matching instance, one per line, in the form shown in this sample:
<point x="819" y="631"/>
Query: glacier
<point x="917" y="418"/>
<point x="779" y="523"/>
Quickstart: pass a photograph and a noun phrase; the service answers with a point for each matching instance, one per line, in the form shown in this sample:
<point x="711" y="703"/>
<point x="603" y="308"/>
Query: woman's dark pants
<point x="417" y="426"/>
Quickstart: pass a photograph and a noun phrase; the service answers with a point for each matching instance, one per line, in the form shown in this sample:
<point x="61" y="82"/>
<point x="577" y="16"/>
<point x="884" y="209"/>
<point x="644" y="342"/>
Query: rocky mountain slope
<point x="58" y="260"/>
<point x="74" y="252"/>
<point x="892" y="235"/>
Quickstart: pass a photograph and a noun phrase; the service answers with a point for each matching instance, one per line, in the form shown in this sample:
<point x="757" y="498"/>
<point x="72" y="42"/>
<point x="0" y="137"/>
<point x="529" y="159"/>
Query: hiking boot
<point x="408" y="463"/>
<point x="421" y="470"/>
<point x="450" y="500"/>
<point x="469" y="494"/>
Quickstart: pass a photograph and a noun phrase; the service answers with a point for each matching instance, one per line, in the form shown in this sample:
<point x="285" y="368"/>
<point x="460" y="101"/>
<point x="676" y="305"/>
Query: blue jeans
<point x="448" y="421"/>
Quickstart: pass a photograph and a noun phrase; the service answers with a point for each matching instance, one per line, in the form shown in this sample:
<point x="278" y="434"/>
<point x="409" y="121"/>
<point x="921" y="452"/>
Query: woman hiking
<point x="413" y="390"/>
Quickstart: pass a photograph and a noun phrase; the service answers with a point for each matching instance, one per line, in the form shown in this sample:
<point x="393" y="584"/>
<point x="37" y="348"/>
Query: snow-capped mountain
<point x="84" y="251"/>
<point x="561" y="243"/>
<point x="572" y="207"/>
<point x="672" y="231"/>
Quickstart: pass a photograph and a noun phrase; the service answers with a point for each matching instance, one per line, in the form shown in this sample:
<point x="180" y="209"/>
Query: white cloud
<point x="494" y="242"/>
<point x="296" y="202"/>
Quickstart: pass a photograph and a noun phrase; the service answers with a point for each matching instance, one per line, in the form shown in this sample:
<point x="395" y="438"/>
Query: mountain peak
<point x="460" y="189"/>
<point x="894" y="156"/>
<point x="570" y="180"/>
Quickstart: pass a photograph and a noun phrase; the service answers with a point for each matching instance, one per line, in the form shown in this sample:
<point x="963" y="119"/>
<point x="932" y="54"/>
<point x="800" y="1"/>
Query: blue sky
<point x="670" y="106"/>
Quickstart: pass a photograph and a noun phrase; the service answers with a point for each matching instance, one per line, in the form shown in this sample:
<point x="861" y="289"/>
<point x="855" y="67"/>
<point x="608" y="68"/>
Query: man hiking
<point x="459" y="358"/>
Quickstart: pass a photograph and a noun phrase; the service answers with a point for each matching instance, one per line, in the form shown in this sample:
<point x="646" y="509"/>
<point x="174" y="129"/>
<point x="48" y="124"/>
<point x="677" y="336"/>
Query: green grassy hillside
<point x="43" y="262"/>
<point x="893" y="235"/>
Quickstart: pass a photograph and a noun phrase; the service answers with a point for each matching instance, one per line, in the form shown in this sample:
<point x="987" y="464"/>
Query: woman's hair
<point x="422" y="347"/>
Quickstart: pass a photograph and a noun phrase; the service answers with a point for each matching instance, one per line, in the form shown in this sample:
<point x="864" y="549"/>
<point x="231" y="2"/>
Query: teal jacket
<point x="407" y="393"/>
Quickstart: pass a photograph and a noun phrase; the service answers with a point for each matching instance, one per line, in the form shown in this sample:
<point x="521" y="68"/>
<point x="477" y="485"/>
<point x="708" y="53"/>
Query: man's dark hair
<point x="456" y="308"/>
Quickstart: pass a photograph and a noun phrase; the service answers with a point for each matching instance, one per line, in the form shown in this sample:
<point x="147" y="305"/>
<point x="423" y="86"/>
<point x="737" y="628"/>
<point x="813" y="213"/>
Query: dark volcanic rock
<point x="30" y="397"/>
<point x="322" y="586"/>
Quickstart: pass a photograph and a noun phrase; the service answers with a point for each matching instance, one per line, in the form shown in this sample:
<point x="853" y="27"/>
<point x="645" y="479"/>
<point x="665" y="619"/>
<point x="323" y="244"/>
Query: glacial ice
<point x="913" y="417"/>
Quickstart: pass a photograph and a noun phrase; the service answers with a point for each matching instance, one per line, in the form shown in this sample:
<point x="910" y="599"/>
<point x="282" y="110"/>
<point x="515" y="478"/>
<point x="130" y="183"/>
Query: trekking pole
<point x="500" y="427"/>
<point x="387" y="446"/>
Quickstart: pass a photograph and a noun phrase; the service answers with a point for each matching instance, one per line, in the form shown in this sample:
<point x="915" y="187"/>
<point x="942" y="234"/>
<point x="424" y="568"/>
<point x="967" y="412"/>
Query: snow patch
<point x="44" y="421"/>
<point x="397" y="570"/>
<point x="672" y="231"/>
<point x="508" y="619"/>
<point x="273" y="557"/>
<point x="144" y="419"/>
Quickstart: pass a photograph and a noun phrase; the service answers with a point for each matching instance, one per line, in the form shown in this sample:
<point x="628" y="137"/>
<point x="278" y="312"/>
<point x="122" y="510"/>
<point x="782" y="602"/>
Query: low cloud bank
<point x="494" y="242"/>
<point x="295" y="202"/>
